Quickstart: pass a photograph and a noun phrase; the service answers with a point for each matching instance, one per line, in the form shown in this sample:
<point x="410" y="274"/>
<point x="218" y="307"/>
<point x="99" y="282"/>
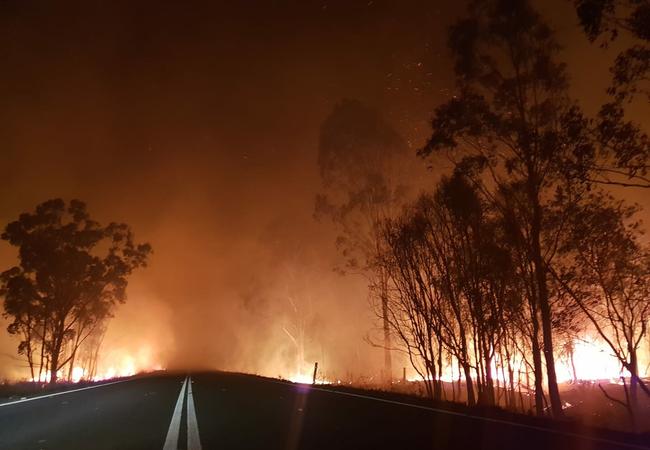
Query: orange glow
<point x="126" y="364"/>
<point x="300" y="378"/>
<point x="592" y="357"/>
<point x="304" y="378"/>
<point x="593" y="360"/>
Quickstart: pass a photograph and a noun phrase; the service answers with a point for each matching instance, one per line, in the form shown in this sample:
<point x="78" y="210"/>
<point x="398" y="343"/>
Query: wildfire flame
<point x="118" y="365"/>
<point x="592" y="358"/>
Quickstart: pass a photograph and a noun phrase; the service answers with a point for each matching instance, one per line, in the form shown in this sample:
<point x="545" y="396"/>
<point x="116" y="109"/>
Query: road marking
<point x="54" y="394"/>
<point x="193" y="440"/>
<point x="469" y="416"/>
<point x="171" y="442"/>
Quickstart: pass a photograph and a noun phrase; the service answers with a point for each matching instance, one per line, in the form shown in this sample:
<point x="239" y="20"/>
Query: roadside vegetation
<point x="522" y="248"/>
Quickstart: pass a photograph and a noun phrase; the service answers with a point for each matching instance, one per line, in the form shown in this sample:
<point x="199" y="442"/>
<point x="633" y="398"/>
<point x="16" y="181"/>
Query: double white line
<point x="193" y="441"/>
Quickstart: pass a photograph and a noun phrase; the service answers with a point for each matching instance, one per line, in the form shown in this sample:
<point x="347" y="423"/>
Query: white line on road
<point x="472" y="416"/>
<point x="171" y="442"/>
<point x="22" y="400"/>
<point x="193" y="441"/>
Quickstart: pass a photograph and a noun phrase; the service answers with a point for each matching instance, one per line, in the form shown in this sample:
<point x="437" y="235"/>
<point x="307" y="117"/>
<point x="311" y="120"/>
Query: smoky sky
<point x="197" y="124"/>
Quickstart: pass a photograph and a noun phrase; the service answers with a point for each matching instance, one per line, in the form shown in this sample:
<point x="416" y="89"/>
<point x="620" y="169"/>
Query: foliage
<point x="72" y="272"/>
<point x="362" y="163"/>
<point x="606" y="19"/>
<point x="607" y="273"/>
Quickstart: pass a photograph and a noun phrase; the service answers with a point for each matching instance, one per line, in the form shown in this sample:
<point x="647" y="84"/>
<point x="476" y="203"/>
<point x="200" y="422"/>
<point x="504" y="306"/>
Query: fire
<point x="77" y="374"/>
<point x="126" y="365"/>
<point x="305" y="378"/>
<point x="301" y="378"/>
<point x="592" y="358"/>
<point x="593" y="361"/>
<point x="116" y="364"/>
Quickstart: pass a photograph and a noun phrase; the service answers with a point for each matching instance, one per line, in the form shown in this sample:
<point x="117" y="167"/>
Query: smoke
<point x="198" y="126"/>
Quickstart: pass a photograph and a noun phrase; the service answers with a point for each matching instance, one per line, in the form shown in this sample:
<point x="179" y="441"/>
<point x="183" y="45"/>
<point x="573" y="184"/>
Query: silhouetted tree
<point x="89" y="350"/>
<point x="72" y="272"/>
<point x="414" y="301"/>
<point x="25" y="312"/>
<point x="451" y="285"/>
<point x="622" y="149"/>
<point x="607" y="19"/>
<point x="361" y="160"/>
<point x="515" y="216"/>
<point x="300" y="312"/>
<point x="608" y="276"/>
<point x="507" y="122"/>
<point x="483" y="269"/>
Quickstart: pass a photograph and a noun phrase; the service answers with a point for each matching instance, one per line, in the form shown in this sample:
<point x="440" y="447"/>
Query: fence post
<point x="315" y="370"/>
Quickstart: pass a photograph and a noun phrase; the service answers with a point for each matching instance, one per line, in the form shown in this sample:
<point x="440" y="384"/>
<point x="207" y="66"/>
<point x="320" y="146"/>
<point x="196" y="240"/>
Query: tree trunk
<point x="71" y="362"/>
<point x="471" y="400"/>
<point x="489" y="381"/>
<point x="573" y="364"/>
<point x="511" y="379"/>
<point x="543" y="300"/>
<point x="439" y="385"/>
<point x="43" y="338"/>
<point x="521" y="397"/>
<point x="388" y="363"/>
<point x="30" y="354"/>
<point x="453" y="384"/>
<point x="537" y="368"/>
<point x="57" y="342"/>
<point x="54" y="366"/>
<point x="634" y="382"/>
<point x="553" y="390"/>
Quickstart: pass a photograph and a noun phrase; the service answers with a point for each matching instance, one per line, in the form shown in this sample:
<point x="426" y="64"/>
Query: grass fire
<point x="325" y="224"/>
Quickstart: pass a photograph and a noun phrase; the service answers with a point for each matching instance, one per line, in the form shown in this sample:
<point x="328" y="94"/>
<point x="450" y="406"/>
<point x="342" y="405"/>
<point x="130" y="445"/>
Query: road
<point x="231" y="411"/>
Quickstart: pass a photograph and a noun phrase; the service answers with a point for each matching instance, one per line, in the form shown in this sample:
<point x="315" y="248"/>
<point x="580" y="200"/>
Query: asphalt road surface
<point x="230" y="411"/>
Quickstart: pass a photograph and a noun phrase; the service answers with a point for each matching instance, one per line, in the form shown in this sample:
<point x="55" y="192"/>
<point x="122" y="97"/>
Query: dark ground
<point x="246" y="412"/>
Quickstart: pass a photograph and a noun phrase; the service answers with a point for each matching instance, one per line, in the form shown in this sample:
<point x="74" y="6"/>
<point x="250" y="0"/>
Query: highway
<point x="231" y="411"/>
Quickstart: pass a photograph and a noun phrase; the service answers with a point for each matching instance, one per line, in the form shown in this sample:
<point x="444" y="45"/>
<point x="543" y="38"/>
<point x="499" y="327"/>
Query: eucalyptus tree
<point x="450" y="285"/>
<point x="362" y="162"/>
<point x="605" y="20"/>
<point x="622" y="147"/>
<point x="607" y="273"/>
<point x="507" y="127"/>
<point x="72" y="271"/>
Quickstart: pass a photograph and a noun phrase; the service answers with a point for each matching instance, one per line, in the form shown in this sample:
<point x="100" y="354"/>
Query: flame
<point x="115" y="365"/>
<point x="126" y="365"/>
<point x="43" y="378"/>
<point x="300" y="378"/>
<point x="592" y="357"/>
<point x="593" y="361"/>
<point x="77" y="374"/>
<point x="304" y="378"/>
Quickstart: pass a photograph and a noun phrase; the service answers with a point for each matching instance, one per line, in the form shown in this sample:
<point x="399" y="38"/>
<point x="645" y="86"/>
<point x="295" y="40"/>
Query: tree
<point x="451" y="281"/>
<point x="515" y="216"/>
<point x="72" y="272"/>
<point x="622" y="148"/>
<point x="361" y="160"/>
<point x="508" y="124"/>
<point x="483" y="269"/>
<point x="299" y="315"/>
<point x="90" y="349"/>
<point x="608" y="275"/>
<point x="21" y="303"/>
<point x="606" y="19"/>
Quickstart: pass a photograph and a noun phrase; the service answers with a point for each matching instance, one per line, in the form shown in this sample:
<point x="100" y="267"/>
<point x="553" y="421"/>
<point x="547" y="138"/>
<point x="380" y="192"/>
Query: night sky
<point x="198" y="126"/>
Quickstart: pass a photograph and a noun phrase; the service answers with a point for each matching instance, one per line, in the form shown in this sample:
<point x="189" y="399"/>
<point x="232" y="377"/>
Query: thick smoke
<point x="198" y="126"/>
